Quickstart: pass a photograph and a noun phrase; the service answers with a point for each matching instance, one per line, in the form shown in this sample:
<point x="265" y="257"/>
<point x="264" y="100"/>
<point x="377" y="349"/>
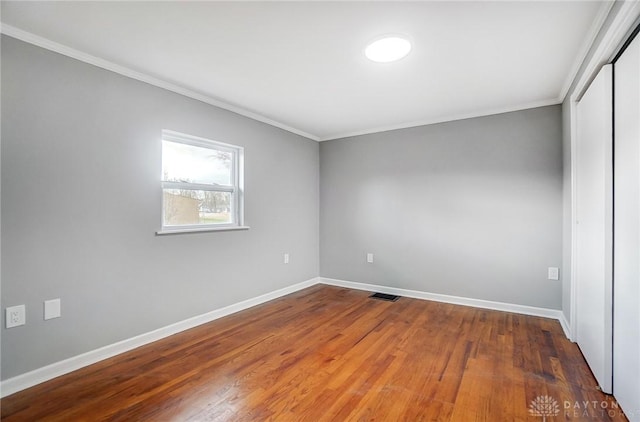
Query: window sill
<point x="200" y="230"/>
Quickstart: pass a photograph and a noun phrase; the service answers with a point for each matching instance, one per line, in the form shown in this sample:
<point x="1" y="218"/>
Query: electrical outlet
<point x="553" y="273"/>
<point x="16" y="316"/>
<point x="286" y="258"/>
<point x="370" y="258"/>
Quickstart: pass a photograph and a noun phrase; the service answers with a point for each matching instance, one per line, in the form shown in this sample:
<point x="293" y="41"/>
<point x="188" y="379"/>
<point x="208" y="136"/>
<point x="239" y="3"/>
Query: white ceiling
<point x="300" y="65"/>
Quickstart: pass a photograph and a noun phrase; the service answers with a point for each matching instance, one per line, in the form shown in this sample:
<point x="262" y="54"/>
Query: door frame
<point x="617" y="32"/>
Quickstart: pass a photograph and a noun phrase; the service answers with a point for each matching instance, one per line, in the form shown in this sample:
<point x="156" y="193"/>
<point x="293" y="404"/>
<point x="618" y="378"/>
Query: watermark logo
<point x="596" y="409"/>
<point x="548" y="407"/>
<point x="544" y="406"/>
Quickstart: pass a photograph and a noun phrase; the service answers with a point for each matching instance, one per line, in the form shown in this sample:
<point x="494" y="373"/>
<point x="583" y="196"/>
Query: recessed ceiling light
<point x="388" y="49"/>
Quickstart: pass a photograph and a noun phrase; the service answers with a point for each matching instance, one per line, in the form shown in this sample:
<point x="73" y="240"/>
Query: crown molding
<point x="601" y="17"/>
<point x="608" y="47"/>
<point x="446" y="118"/>
<point x="143" y="77"/>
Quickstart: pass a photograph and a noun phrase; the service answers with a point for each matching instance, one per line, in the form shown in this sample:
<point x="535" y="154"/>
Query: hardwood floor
<point x="332" y="354"/>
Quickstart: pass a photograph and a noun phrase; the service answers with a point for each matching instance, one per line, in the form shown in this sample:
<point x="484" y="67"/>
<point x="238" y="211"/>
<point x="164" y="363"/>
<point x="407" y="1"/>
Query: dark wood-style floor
<point x="333" y="354"/>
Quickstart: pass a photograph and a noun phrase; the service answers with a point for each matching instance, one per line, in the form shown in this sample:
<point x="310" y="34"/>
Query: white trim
<point x="446" y="118"/>
<point x="612" y="40"/>
<point x="456" y="300"/>
<point x="130" y="73"/>
<point x="46" y="373"/>
<point x="197" y="141"/>
<point x="592" y="34"/>
<point x="605" y="8"/>
<point x="234" y="188"/>
<point x="565" y="326"/>
<point x="167" y="231"/>
<point x="37" y="376"/>
<point x="198" y="186"/>
<point x="608" y="47"/>
<point x="573" y="311"/>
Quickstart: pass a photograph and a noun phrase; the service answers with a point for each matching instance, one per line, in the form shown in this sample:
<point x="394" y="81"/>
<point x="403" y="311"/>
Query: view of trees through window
<point x="197" y="184"/>
<point x="183" y="207"/>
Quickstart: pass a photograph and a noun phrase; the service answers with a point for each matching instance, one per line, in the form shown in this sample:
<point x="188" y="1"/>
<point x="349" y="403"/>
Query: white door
<point x="594" y="227"/>
<point x="626" y="335"/>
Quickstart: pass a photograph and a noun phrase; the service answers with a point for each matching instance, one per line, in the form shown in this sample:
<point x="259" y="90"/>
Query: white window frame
<point x="236" y="188"/>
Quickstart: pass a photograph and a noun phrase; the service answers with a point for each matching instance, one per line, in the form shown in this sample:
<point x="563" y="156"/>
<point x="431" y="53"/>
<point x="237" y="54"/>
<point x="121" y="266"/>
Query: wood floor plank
<point x="332" y="354"/>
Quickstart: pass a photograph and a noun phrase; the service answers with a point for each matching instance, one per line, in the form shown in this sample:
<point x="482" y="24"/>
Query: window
<point x="201" y="184"/>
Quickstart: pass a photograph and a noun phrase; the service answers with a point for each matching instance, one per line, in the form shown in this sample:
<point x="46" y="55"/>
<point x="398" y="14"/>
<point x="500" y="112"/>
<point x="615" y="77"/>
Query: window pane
<point x="187" y="207"/>
<point x="187" y="163"/>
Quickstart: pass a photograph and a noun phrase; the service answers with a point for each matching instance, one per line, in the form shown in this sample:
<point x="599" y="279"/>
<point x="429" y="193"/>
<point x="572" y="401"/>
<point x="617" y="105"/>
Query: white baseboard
<point x="456" y="300"/>
<point x="566" y="327"/>
<point x="37" y="376"/>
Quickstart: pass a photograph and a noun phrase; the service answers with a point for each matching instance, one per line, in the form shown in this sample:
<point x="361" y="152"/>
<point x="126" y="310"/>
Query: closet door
<point x="594" y="229"/>
<point x="626" y="348"/>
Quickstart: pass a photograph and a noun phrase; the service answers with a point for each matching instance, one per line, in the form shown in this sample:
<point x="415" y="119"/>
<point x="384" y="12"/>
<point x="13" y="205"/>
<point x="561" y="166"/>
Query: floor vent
<point x="384" y="296"/>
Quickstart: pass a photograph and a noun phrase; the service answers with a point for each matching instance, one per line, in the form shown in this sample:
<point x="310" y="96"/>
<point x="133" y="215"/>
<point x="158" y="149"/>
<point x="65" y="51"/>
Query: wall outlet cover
<point x="52" y="309"/>
<point x="16" y="316"/>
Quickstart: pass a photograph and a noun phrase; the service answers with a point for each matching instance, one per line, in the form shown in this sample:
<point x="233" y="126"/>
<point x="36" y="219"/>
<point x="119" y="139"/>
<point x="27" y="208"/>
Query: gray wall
<point x="81" y="203"/>
<point x="469" y="208"/>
